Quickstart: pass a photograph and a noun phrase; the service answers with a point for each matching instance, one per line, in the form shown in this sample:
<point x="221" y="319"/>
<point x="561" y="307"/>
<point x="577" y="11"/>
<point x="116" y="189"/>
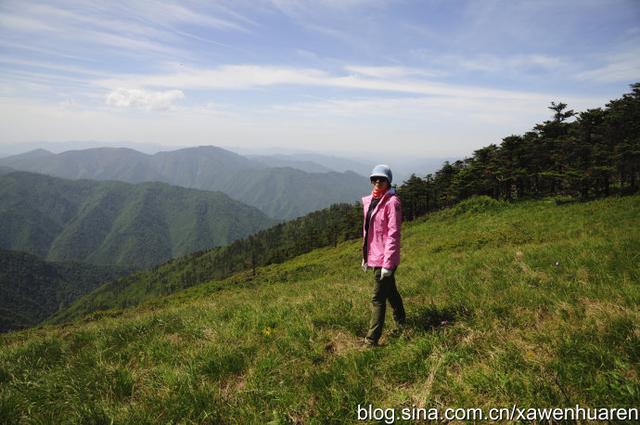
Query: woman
<point x="381" y="249"/>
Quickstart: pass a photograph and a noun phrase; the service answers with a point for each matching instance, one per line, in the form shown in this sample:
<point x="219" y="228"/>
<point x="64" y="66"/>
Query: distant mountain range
<point x="313" y="163"/>
<point x="32" y="289"/>
<point x="274" y="186"/>
<point x="403" y="165"/>
<point x="110" y="222"/>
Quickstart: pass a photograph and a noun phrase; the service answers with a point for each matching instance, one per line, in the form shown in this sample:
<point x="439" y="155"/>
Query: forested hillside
<point x="32" y="289"/>
<point x="116" y="223"/>
<point x="284" y="241"/>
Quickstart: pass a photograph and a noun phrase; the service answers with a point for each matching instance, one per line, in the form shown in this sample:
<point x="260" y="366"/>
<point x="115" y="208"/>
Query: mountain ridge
<point x="281" y="192"/>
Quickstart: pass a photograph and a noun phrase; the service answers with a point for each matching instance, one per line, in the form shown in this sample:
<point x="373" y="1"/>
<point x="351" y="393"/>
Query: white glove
<point x="364" y="266"/>
<point x="385" y="273"/>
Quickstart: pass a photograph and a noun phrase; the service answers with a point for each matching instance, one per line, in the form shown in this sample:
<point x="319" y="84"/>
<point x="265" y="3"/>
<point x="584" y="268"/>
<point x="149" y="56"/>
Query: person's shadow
<point x="433" y="317"/>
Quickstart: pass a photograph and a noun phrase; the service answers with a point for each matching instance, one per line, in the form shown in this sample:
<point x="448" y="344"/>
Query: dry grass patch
<point x="341" y="342"/>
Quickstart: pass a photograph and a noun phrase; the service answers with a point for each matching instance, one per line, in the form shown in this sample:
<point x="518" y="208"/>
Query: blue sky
<point x="425" y="78"/>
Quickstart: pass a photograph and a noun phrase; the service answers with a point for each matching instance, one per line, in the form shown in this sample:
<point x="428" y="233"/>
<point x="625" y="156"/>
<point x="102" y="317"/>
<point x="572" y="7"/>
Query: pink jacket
<point x="383" y="244"/>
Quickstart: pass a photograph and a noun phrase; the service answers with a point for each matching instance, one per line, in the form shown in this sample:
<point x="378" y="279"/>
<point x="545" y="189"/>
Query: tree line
<point x="584" y="155"/>
<point x="323" y="228"/>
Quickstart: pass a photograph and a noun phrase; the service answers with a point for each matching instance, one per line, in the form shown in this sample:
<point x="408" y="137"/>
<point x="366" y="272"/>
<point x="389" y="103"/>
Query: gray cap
<point x="382" y="170"/>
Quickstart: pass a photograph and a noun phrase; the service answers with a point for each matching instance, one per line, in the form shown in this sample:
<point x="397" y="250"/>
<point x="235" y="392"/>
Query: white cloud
<point x="143" y="99"/>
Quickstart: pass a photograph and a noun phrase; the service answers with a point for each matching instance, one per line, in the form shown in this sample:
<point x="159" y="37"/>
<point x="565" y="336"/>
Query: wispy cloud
<point x="46" y="81"/>
<point x="168" y="14"/>
<point x="511" y="64"/>
<point x="23" y="24"/>
<point x="22" y="48"/>
<point x="138" y="46"/>
<point x="140" y="27"/>
<point x="508" y="112"/>
<point x="334" y="18"/>
<point x="305" y="9"/>
<point x="71" y="30"/>
<point x="51" y="66"/>
<point x="63" y="18"/>
<point x="249" y="76"/>
<point x="223" y="77"/>
<point x="621" y="67"/>
<point x="391" y="71"/>
<point x="534" y="64"/>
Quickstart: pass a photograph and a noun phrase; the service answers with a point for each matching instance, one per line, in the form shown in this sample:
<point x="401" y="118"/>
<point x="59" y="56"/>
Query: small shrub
<point x="477" y="204"/>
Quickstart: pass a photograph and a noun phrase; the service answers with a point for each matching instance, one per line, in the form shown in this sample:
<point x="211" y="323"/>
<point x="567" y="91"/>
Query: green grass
<point x="531" y="303"/>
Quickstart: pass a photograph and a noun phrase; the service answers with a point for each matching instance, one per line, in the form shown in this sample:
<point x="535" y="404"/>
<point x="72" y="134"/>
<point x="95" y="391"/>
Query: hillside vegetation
<point x="284" y="241"/>
<point x="533" y="304"/>
<point x="32" y="289"/>
<point x="118" y="223"/>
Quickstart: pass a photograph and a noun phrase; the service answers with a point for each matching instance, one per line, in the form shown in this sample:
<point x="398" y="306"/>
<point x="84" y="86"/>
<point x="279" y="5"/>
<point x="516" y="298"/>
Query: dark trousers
<point x="384" y="289"/>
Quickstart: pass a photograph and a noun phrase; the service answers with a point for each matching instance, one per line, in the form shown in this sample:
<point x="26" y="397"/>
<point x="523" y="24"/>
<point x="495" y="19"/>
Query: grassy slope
<point x="533" y="304"/>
